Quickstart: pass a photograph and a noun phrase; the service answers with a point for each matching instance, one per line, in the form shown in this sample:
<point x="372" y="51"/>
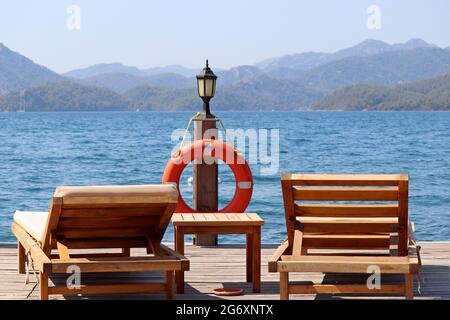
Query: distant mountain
<point x="165" y="99"/>
<point x="265" y="93"/>
<point x="371" y="47"/>
<point x="411" y="44"/>
<point x="293" y="65"/>
<point x="171" y="80"/>
<point x="430" y="94"/>
<point x="287" y="67"/>
<point x="253" y="93"/>
<point x="365" y="48"/>
<point x="103" y="68"/>
<point x="62" y="96"/>
<point x="299" y="61"/>
<point x="122" y="82"/>
<point x="107" y="68"/>
<point x="17" y="71"/>
<point x="234" y="75"/>
<point x="362" y="63"/>
<point x="115" y="81"/>
<point x="388" y="68"/>
<point x="176" y="69"/>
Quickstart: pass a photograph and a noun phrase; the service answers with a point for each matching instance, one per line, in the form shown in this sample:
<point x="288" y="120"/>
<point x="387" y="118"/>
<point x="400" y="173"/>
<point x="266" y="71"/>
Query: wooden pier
<point x="224" y="266"/>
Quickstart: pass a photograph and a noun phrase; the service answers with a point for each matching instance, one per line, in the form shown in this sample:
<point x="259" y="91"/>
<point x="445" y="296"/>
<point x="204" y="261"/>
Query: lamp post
<point x="205" y="187"/>
<point x="206" y="85"/>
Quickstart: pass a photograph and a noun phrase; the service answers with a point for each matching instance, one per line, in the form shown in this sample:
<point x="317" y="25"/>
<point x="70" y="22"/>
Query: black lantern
<point x="206" y="85"/>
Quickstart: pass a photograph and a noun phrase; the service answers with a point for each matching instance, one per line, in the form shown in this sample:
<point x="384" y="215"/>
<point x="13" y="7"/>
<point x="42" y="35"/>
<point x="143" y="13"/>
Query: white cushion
<point x="153" y="193"/>
<point x="32" y="222"/>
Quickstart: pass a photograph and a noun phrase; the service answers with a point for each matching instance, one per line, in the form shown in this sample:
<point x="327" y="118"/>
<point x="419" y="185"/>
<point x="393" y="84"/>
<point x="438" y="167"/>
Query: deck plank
<point x="215" y="267"/>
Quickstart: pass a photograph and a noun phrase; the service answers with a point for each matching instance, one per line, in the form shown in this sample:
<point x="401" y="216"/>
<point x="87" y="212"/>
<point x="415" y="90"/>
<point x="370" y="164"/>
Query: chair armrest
<point x="183" y="259"/>
<point x="273" y="260"/>
<point x="43" y="262"/>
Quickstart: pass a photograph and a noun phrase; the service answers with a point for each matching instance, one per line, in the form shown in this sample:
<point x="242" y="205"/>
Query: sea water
<point x="39" y="151"/>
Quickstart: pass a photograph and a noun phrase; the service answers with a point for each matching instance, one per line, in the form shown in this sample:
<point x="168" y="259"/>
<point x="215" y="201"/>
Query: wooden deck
<point x="224" y="266"/>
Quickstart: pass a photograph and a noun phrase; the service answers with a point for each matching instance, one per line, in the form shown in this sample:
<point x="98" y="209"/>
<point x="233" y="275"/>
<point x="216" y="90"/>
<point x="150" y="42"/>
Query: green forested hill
<point x="430" y="94"/>
<point x="62" y="96"/>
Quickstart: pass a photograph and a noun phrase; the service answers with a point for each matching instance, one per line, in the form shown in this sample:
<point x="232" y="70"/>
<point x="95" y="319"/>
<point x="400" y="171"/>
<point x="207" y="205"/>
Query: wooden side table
<point x="222" y="223"/>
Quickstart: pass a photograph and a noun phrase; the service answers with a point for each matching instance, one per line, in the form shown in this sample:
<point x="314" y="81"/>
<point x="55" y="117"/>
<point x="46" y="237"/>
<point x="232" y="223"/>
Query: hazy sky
<point x="148" y="33"/>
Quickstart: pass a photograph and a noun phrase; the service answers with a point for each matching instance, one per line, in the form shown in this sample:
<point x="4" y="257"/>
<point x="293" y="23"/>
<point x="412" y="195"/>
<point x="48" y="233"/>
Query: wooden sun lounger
<point x="97" y="218"/>
<point x="329" y="233"/>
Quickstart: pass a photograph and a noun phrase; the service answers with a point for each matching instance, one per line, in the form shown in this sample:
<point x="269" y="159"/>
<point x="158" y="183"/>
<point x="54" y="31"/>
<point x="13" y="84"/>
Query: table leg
<point x="179" y="247"/>
<point x="249" y="257"/>
<point x="169" y="285"/>
<point x="257" y="260"/>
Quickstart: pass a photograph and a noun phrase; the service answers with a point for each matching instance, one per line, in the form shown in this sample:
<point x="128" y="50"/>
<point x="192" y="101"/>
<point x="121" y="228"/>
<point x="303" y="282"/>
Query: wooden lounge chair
<point x="99" y="218"/>
<point x="328" y="233"/>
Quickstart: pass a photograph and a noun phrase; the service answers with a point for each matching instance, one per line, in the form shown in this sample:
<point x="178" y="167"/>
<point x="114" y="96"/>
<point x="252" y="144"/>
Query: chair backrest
<point x="347" y="211"/>
<point x="110" y="216"/>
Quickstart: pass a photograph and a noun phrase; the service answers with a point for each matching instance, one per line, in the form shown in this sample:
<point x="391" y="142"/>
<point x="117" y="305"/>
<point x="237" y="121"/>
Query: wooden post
<point x="205" y="180"/>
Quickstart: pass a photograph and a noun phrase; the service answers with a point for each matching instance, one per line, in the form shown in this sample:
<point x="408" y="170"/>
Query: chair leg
<point x="43" y="286"/>
<point x="409" y="287"/>
<point x="21" y="258"/>
<point x="284" y="285"/>
<point x="169" y="278"/>
<point x="179" y="247"/>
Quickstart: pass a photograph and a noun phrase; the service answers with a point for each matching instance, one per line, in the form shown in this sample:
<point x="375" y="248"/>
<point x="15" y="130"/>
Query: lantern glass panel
<point x="209" y="87"/>
<point x="201" y="87"/>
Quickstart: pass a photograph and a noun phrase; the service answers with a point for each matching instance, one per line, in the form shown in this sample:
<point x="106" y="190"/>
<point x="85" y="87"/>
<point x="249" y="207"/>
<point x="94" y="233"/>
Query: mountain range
<point x="304" y="81"/>
<point x="17" y="71"/>
<point x="425" y="95"/>
<point x="103" y="68"/>
<point x="309" y="60"/>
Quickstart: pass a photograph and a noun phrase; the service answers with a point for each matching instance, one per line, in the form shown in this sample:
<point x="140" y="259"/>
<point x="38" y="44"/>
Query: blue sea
<point x="39" y="151"/>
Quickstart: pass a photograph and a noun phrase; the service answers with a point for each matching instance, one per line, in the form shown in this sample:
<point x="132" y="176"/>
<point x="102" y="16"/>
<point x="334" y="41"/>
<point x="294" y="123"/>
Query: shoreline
<point x="237" y="110"/>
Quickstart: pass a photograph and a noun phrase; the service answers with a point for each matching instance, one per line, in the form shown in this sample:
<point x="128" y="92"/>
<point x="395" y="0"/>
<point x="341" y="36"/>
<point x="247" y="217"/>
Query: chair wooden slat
<point x="100" y="243"/>
<point x="346" y="210"/>
<point x="344" y="179"/>
<point x="346" y="241"/>
<point x="104" y="233"/>
<point x="130" y="211"/>
<point x="346" y="225"/>
<point x="95" y="223"/>
<point x="346" y="194"/>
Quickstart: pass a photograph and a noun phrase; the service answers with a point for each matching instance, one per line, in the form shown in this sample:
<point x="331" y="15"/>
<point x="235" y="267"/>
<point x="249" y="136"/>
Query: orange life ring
<point x="214" y="150"/>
